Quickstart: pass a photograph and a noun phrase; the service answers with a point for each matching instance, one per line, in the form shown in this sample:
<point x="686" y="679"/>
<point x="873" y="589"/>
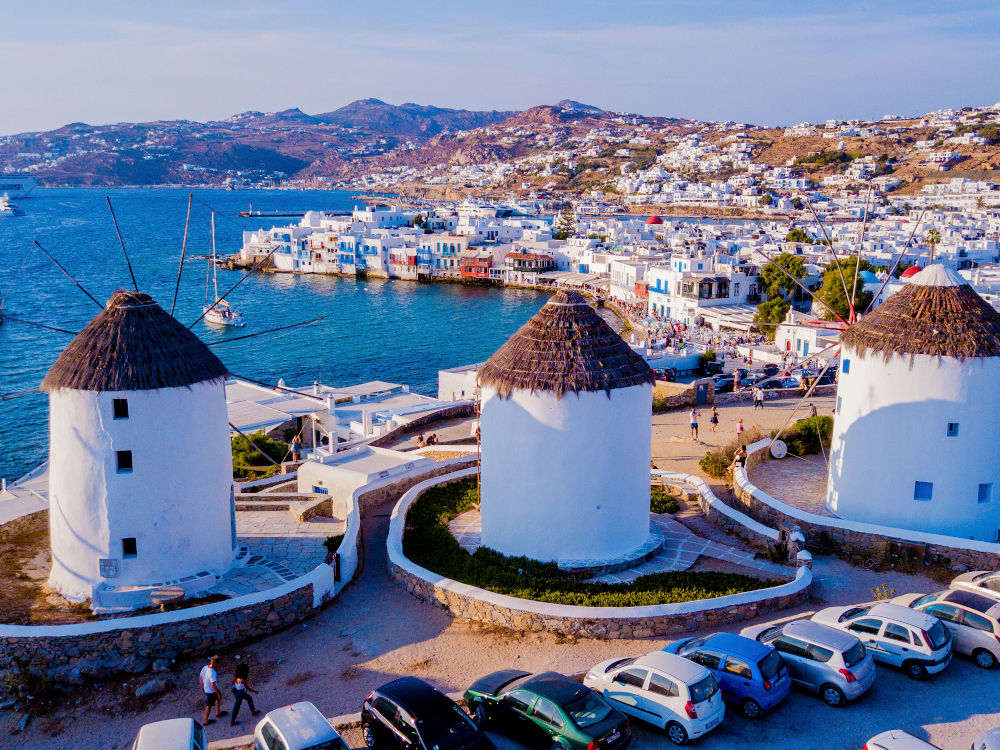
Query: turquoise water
<point x="371" y="329"/>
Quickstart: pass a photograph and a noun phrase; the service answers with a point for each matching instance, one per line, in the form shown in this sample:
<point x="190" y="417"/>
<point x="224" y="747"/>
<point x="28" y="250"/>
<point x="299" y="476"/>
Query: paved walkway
<point x="681" y="549"/>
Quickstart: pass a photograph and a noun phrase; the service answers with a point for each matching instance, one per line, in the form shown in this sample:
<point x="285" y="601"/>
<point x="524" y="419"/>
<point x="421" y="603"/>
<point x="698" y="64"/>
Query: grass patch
<point x="427" y="542"/>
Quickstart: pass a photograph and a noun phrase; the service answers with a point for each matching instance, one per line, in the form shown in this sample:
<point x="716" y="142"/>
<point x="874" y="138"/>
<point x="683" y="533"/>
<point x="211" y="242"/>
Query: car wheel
<point x="482" y="717"/>
<point x="984" y="658"/>
<point x="915" y="670"/>
<point x="676" y="733"/>
<point x="751" y="709"/>
<point x="832" y="695"/>
<point x="368" y="735"/>
<point x="557" y="746"/>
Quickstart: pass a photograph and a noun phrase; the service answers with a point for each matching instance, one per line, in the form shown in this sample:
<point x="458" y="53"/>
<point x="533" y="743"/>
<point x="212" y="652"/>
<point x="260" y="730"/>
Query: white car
<point x="171" y="734"/>
<point x="899" y="636"/>
<point x="663" y="689"/>
<point x="972" y="619"/>
<point x="299" y="726"/>
<point x="988" y="741"/>
<point x="985" y="582"/>
<point x="897" y="739"/>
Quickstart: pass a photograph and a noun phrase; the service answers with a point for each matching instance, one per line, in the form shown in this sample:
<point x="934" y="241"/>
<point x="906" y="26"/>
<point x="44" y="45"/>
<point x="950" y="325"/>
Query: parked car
<point x="973" y="619"/>
<point x="985" y="582"/>
<point x="668" y="374"/>
<point x="899" y="636"/>
<point x="897" y="739"/>
<point x="299" y="726"/>
<point x="770" y="368"/>
<point x="409" y="714"/>
<point x="714" y="368"/>
<point x="988" y="740"/>
<point x="724" y="384"/>
<point x="665" y="690"/>
<point x="751" y="674"/>
<point x="822" y="659"/>
<point x="548" y="711"/>
<point x="171" y="734"/>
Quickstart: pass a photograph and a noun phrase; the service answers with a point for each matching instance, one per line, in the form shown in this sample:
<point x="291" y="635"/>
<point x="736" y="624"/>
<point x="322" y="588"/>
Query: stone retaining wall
<point x="847" y="538"/>
<point x="463" y="600"/>
<point x="19" y="525"/>
<point x="463" y="409"/>
<point x="686" y="398"/>
<point x="776" y="393"/>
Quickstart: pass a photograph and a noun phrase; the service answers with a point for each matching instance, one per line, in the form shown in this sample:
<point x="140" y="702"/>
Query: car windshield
<point x="587" y="710"/>
<point x="991" y="582"/>
<point x="854" y="655"/>
<point x="704" y="689"/>
<point x="938" y="635"/>
<point x="770" y="665"/>
<point x="854" y="612"/>
<point x="925" y="600"/>
<point x="448" y="729"/>
<point x="691" y="645"/>
<point x="336" y="744"/>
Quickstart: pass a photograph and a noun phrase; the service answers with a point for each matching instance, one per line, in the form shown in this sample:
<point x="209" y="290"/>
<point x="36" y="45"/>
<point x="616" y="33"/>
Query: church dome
<point x="653" y="220"/>
<point x="133" y="345"/>
<point x="910" y="272"/>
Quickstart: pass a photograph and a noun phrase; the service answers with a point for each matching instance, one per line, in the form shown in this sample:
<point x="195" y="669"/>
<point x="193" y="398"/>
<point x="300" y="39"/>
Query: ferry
<point x="7" y="208"/>
<point x="16" y="184"/>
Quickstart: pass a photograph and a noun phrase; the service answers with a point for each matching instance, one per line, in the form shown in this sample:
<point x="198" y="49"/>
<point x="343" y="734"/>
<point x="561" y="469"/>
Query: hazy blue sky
<point x="776" y="62"/>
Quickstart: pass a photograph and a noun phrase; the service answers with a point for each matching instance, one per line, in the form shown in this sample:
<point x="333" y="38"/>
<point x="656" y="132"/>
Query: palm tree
<point x="932" y="238"/>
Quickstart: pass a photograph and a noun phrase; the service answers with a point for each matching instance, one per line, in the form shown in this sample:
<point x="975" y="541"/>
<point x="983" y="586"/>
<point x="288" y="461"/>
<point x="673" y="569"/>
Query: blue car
<point x="751" y="674"/>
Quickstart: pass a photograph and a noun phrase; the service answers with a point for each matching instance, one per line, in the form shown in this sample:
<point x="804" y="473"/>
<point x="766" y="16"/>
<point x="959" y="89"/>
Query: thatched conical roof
<point x="936" y="314"/>
<point x="133" y="344"/>
<point x="566" y="346"/>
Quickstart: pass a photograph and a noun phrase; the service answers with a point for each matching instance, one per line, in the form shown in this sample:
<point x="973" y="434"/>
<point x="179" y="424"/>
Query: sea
<point x="371" y="329"/>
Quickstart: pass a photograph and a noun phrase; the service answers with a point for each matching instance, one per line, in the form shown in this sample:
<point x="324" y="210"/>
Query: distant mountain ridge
<point x="374" y="115"/>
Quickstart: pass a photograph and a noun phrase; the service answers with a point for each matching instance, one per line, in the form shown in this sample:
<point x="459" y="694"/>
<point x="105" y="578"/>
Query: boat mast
<point x="215" y="266"/>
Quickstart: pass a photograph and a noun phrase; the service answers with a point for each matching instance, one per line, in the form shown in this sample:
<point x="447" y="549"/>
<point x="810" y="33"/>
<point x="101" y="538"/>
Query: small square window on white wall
<point x="986" y="492"/>
<point x="846" y="366"/>
<point x="923" y="491"/>
<point x="952" y="429"/>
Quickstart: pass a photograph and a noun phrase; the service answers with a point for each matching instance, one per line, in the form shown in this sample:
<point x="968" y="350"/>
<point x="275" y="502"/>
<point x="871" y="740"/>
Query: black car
<point x="409" y="714"/>
<point x="548" y="711"/>
<point x="724" y="385"/>
<point x="668" y="374"/>
<point x="714" y="368"/>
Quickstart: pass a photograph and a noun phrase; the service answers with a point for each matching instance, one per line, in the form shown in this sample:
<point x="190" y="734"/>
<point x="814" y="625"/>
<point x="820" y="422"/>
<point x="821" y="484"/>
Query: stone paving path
<point x="681" y="549"/>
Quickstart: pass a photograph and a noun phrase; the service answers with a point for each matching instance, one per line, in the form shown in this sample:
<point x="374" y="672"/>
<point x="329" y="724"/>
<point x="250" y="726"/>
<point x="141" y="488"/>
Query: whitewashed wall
<point x="175" y="502"/>
<point x="891" y="431"/>
<point x="566" y="479"/>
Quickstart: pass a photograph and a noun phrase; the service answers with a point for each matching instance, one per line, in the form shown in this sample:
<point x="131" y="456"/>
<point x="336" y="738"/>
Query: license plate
<point x="712" y="724"/>
<point x="614" y="736"/>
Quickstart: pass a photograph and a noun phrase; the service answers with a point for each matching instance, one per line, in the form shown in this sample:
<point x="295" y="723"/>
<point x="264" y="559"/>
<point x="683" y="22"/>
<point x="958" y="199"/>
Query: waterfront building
<point x="140" y="465"/>
<point x="565" y="425"/>
<point x="917" y="412"/>
<point x="695" y="286"/>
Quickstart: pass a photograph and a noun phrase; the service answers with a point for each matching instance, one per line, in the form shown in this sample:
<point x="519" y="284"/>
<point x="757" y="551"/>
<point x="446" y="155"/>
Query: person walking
<point x="758" y="397"/>
<point x="241" y="692"/>
<point x="208" y="678"/>
<point x="694" y="422"/>
<point x="740" y="429"/>
<point x="812" y="409"/>
<point x="714" y="419"/>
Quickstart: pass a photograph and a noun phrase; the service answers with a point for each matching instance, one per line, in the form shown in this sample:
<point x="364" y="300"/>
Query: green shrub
<point x="715" y="464"/>
<point x="428" y="542"/>
<point x="332" y="543"/>
<point x="804" y="436"/>
<point x="248" y="460"/>
<point x="661" y="502"/>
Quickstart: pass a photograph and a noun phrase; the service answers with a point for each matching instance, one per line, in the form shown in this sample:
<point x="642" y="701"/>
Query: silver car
<point x="972" y="619"/>
<point x="897" y="739"/>
<point x="826" y="660"/>
<point x="985" y="582"/>
<point x="988" y="740"/>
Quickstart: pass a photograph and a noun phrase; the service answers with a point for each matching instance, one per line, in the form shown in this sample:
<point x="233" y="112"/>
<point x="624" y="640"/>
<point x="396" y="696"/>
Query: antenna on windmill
<point x="122" y="243"/>
<point x="180" y="268"/>
<point x="264" y="333"/>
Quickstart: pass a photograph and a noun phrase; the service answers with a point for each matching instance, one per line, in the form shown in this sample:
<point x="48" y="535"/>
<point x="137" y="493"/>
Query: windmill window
<point x="953" y="429"/>
<point x="923" y="491"/>
<point x="129" y="549"/>
<point x="120" y="408"/>
<point x="985" y="492"/>
<point x="846" y="366"/>
<point x="123" y="461"/>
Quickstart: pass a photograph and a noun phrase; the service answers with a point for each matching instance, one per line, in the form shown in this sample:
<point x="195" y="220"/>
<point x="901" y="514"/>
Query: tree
<point x="776" y="283"/>
<point x="765" y="200"/>
<point x="902" y="266"/>
<point x="565" y="226"/>
<point x="797" y="204"/>
<point x="799" y="235"/>
<point x="832" y="291"/>
<point x="932" y="238"/>
<point x="771" y="313"/>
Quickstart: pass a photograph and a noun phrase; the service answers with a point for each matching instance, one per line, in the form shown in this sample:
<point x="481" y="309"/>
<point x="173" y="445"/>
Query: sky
<point x="776" y="62"/>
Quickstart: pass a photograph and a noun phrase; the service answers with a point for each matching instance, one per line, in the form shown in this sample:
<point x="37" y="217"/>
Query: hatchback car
<point x="825" y="660"/>
<point x="548" y="710"/>
<point x="751" y="674"/>
<point x="988" y="740"/>
<point x="895" y="635"/>
<point x="897" y="739"/>
<point x="665" y="690"/>
<point x="409" y="714"/>
<point x="299" y="726"/>
<point x="973" y="619"/>
<point x="985" y="582"/>
<point x="171" y="734"/>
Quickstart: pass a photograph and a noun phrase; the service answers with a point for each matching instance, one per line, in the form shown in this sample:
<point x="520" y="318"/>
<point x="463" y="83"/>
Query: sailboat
<point x="219" y="312"/>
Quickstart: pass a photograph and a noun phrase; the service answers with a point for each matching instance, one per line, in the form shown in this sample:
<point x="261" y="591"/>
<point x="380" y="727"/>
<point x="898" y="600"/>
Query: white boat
<point x="16" y="184"/>
<point x="220" y="312"/>
<point x="7" y="208"/>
